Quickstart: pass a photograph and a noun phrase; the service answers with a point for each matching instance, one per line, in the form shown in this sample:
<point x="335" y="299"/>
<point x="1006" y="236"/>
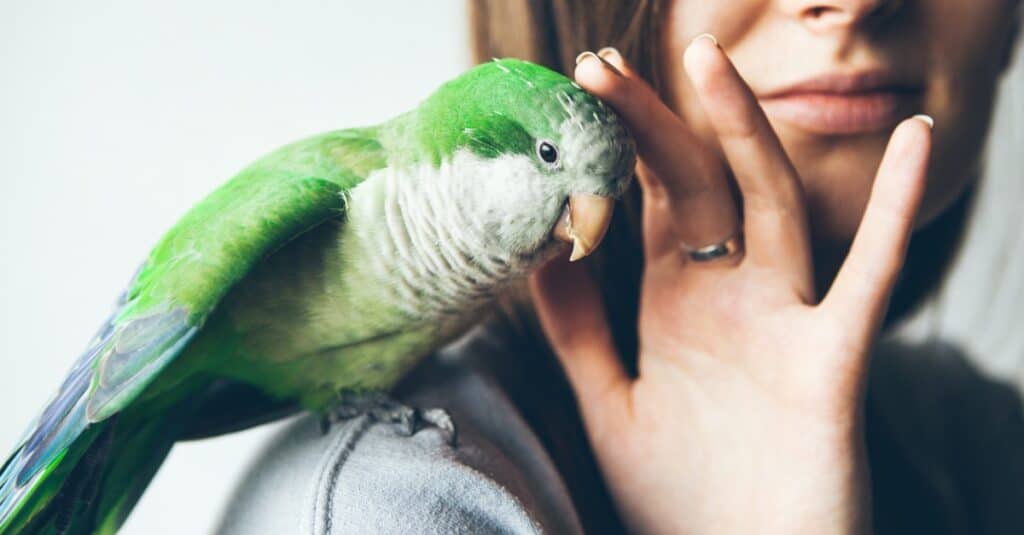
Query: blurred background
<point x="115" y="117"/>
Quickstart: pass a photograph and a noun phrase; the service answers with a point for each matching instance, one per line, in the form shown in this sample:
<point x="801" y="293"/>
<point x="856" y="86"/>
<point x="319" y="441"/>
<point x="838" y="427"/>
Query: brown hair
<point x="552" y="33"/>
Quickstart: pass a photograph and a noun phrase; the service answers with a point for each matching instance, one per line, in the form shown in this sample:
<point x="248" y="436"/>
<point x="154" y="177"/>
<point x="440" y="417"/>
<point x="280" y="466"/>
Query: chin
<point x="836" y="202"/>
<point x="834" y="223"/>
<point x="837" y="184"/>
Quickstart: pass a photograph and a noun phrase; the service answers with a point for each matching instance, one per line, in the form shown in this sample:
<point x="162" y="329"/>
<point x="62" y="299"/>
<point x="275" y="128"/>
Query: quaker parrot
<point x="330" y="266"/>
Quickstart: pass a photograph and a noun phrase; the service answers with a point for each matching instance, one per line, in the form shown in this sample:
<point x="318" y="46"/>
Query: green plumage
<point x="331" y="264"/>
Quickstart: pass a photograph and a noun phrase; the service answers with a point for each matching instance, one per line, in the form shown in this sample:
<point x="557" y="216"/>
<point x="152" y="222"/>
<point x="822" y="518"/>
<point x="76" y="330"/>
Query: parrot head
<point x="538" y="160"/>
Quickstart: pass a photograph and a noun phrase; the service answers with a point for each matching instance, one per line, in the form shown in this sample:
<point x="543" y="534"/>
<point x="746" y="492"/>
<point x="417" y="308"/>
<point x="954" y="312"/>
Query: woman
<point x="719" y="348"/>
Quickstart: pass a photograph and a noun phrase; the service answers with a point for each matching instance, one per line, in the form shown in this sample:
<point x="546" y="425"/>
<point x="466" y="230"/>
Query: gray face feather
<point x="526" y="195"/>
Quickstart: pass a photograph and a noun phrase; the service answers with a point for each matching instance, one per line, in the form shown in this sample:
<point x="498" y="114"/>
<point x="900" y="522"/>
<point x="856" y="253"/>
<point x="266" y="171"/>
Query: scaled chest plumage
<point x="353" y="303"/>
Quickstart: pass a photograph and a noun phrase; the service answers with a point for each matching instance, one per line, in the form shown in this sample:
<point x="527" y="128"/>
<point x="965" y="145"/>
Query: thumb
<point x="571" y="313"/>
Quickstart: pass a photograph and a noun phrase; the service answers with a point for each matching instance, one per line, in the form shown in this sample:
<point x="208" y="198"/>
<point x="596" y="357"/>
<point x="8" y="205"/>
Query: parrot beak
<point x="584" y="223"/>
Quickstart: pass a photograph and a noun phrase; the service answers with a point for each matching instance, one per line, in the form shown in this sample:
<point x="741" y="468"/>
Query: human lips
<point x="839" y="103"/>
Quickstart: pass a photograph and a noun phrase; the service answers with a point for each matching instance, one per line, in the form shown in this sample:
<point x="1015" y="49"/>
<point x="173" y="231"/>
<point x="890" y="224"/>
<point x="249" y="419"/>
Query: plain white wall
<point x="116" y="116"/>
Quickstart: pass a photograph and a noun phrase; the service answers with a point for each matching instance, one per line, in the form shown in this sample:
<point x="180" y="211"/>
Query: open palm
<point x="745" y="414"/>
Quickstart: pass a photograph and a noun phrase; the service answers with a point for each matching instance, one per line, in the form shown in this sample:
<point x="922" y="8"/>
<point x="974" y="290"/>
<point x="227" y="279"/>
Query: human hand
<point x="745" y="415"/>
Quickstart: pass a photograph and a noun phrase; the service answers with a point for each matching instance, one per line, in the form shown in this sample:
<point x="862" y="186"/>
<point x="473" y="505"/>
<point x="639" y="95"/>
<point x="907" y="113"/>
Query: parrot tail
<point x="92" y="485"/>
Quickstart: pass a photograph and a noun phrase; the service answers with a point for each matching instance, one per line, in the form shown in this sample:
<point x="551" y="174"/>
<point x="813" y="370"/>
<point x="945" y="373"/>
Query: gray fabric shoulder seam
<point x="322" y="516"/>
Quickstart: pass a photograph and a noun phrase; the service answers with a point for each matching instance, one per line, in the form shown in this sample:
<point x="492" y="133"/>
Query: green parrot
<point x="326" y="268"/>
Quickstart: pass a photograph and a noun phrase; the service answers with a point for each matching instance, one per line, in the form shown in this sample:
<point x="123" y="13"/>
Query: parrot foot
<point x="440" y="419"/>
<point x="381" y="408"/>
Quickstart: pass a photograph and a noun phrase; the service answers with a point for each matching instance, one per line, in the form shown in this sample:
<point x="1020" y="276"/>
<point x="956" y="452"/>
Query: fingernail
<point x="609" y="52"/>
<point x="707" y="36"/>
<point x="926" y="119"/>
<point x="584" y="56"/>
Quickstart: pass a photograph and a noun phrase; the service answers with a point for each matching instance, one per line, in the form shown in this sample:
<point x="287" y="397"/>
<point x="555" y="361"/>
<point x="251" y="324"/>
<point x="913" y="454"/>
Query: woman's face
<point x="870" y="63"/>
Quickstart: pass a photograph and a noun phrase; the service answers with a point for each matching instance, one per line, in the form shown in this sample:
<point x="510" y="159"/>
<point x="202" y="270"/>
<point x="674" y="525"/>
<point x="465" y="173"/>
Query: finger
<point x="684" y="182"/>
<point x="773" y="208"/>
<point x="612" y="81"/>
<point x="860" y="293"/>
<point x="613" y="57"/>
<point x="659" y="234"/>
<point x="571" y="313"/>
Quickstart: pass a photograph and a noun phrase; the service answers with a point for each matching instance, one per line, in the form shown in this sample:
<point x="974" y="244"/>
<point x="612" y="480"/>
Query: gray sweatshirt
<point x="946" y="448"/>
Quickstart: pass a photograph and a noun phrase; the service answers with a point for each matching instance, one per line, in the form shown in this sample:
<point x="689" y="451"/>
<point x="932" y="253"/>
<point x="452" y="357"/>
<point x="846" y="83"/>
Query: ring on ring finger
<point x="727" y="248"/>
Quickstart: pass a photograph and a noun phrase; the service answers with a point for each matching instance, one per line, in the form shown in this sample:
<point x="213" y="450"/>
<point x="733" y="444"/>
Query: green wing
<point x="184" y="277"/>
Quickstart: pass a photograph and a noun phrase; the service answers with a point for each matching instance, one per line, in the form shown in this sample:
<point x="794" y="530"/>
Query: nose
<point x="822" y="16"/>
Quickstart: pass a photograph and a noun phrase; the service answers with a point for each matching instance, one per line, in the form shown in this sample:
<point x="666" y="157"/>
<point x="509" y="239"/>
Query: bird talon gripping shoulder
<point x="377" y="407"/>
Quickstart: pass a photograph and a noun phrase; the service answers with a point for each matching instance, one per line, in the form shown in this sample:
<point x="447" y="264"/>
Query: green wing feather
<point x="181" y="282"/>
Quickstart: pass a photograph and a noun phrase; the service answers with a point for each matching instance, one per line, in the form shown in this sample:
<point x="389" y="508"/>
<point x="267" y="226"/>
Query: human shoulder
<point x="365" y="476"/>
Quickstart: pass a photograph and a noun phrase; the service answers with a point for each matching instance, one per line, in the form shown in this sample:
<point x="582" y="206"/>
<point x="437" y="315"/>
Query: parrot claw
<point x="440" y="419"/>
<point x="381" y="408"/>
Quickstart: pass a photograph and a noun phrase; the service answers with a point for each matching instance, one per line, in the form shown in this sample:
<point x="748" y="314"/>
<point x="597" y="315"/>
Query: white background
<point x="116" y="116"/>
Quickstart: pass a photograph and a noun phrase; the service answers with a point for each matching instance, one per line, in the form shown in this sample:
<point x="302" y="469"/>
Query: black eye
<point x="547" y="152"/>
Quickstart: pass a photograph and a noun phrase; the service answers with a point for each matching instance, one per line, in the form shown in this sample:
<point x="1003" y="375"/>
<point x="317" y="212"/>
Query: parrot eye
<point x="547" y="152"/>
